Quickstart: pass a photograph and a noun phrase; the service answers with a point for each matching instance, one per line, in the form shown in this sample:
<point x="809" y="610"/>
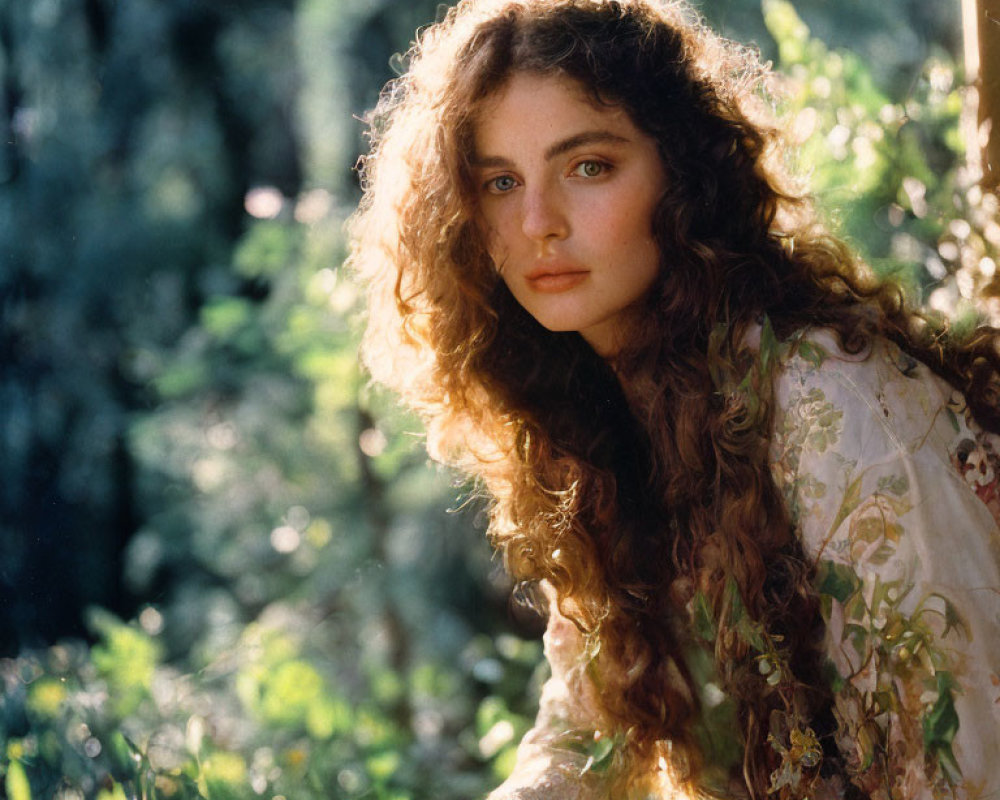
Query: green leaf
<point x="788" y="30"/>
<point x="836" y="580"/>
<point x="46" y="697"/>
<point x="769" y="346"/>
<point x="811" y="352"/>
<point x="328" y="716"/>
<point x="852" y="498"/>
<point x="735" y="602"/>
<point x="17" y="785"/>
<point x="704" y="625"/>
<point x="224" y="316"/>
<point x="123" y="754"/>
<point x="940" y="727"/>
<point x="602" y="749"/>
<point x="748" y="629"/>
<point x="894" y="484"/>
<point x="941" y="723"/>
<point x="949" y="764"/>
<point x="383" y="766"/>
<point x="115" y="793"/>
<point x="751" y="634"/>
<point x="126" y="656"/>
<point x="268" y="248"/>
<point x="600" y="752"/>
<point x="182" y="377"/>
<point x="953" y="620"/>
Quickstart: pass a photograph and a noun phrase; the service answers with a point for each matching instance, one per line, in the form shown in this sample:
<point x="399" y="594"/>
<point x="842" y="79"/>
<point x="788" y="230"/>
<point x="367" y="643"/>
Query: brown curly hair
<point x="639" y="487"/>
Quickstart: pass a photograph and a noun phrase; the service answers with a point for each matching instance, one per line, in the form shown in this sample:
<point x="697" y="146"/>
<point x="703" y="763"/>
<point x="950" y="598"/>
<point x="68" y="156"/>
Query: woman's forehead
<point x="530" y="106"/>
<point x="528" y="87"/>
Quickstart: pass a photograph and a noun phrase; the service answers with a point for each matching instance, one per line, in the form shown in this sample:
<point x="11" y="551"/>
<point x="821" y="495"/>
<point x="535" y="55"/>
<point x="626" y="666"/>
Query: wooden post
<point x="981" y="24"/>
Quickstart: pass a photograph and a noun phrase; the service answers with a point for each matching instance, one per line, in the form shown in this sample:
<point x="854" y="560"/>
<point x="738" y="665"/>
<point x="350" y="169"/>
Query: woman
<point x="751" y="482"/>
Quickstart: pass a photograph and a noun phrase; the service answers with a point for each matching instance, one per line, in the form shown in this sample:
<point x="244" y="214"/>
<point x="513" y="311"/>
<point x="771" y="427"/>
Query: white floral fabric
<point x="552" y="759"/>
<point x="895" y="493"/>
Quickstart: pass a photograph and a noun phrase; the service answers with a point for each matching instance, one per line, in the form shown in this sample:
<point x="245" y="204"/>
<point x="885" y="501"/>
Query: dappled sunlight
<point x="313" y="207"/>
<point x="876" y="162"/>
<point x="264" y="202"/>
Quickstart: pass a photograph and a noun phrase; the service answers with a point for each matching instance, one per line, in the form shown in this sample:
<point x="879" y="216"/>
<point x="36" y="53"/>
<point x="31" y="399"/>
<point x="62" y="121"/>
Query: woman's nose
<point x="543" y="216"/>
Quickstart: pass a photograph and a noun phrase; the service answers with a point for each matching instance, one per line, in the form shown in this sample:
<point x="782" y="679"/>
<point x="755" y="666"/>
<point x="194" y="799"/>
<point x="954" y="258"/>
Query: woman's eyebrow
<point x="557" y="149"/>
<point x="580" y="139"/>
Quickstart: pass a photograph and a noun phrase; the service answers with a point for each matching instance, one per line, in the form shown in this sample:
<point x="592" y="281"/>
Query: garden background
<point x="227" y="569"/>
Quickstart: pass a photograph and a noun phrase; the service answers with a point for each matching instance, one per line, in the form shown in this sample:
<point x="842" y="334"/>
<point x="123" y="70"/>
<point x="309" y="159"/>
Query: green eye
<point x="589" y="169"/>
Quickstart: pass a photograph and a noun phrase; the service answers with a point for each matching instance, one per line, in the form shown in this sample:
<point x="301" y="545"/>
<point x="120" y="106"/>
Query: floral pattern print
<point x="895" y="493"/>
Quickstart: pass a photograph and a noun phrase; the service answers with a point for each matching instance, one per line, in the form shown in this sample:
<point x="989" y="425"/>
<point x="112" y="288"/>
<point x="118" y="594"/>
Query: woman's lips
<point x="556" y="278"/>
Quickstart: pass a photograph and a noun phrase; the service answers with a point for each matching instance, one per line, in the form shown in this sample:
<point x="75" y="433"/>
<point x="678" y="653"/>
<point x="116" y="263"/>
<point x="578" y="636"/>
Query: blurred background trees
<point x="226" y="567"/>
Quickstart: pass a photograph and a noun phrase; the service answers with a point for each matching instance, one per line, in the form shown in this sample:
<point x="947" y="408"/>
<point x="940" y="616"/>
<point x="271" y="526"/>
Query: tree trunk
<point x="982" y="64"/>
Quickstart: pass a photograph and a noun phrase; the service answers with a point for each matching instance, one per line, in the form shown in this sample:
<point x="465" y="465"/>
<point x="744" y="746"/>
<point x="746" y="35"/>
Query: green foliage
<point x="884" y="170"/>
<point x="940" y="727"/>
<point x="16" y="782"/>
<point x="126" y="658"/>
<point x="309" y="646"/>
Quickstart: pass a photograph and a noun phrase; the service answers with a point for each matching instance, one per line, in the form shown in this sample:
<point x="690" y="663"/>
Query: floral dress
<point x="895" y="493"/>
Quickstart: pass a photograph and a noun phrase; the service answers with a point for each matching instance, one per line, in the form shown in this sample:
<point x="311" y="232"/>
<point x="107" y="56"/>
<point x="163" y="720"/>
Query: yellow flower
<point x="805" y="749"/>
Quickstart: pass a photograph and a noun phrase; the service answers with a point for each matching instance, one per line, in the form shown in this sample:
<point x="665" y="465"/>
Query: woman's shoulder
<point x="894" y="491"/>
<point x="817" y="354"/>
<point x="874" y="421"/>
<point x="878" y="430"/>
<point x="877" y="384"/>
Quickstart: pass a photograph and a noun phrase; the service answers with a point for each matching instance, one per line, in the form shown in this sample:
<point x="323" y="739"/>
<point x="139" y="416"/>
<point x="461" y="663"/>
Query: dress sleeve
<point x="893" y="490"/>
<point x="552" y="758"/>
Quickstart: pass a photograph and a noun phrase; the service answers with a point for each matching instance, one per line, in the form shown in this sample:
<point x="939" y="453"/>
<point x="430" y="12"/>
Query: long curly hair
<point x="639" y="489"/>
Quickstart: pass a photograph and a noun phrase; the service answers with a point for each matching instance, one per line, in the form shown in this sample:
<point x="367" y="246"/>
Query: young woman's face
<point x="567" y="193"/>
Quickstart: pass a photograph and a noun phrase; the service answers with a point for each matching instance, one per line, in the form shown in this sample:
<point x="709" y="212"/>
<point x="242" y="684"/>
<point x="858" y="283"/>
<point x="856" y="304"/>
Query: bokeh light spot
<point x="372" y="442"/>
<point x="151" y="620"/>
<point x="263" y="202"/>
<point x="285" y="539"/>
